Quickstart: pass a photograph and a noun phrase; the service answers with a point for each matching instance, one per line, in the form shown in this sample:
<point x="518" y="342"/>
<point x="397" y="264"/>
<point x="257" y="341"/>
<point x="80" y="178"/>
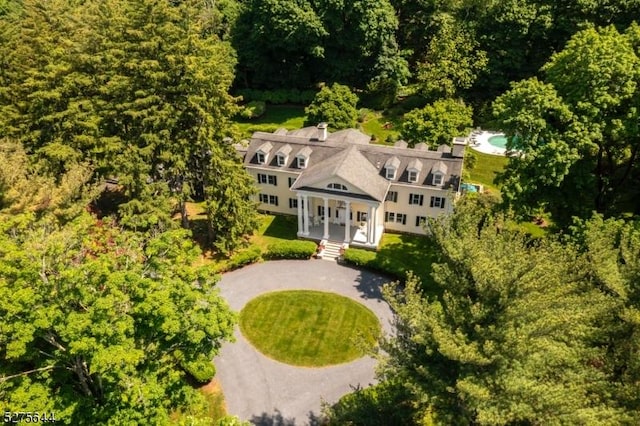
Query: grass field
<point x="288" y="116"/>
<point x="309" y="328"/>
<point x="485" y="170"/>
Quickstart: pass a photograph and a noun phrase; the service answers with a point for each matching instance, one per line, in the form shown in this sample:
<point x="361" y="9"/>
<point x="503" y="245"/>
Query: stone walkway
<point x="267" y="392"/>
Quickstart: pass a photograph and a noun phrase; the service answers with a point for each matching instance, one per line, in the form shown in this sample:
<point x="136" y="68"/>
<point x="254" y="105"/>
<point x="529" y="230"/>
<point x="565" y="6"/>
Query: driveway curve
<point x="268" y="392"/>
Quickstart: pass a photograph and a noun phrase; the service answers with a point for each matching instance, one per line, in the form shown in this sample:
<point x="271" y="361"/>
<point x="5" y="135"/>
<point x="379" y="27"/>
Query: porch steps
<point x="331" y="250"/>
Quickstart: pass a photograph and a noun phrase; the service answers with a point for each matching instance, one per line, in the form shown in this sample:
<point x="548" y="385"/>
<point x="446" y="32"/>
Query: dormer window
<point x="262" y="153"/>
<point x="337" y="186"/>
<point x="391" y="166"/>
<point x="391" y="173"/>
<point x="413" y="170"/>
<point x="438" y="171"/>
<point x="282" y="155"/>
<point x="302" y="158"/>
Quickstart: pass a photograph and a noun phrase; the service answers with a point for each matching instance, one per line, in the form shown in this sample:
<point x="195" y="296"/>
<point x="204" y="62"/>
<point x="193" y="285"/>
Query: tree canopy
<point x="577" y="130"/>
<point x="519" y="331"/>
<point x="437" y="123"/>
<point x="99" y="323"/>
<point x="335" y="105"/>
<point x="138" y="89"/>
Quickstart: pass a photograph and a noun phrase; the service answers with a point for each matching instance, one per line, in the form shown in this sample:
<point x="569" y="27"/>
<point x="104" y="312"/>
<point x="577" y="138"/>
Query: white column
<point x="325" y="236"/>
<point x="347" y="223"/>
<point x="374" y="226"/>
<point x="300" y="223"/>
<point x="305" y="215"/>
<point x="369" y="223"/>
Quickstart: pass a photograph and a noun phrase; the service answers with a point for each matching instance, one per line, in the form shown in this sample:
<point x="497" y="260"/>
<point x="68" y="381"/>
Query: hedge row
<point x="280" y="96"/>
<point x="295" y="249"/>
<point x="370" y="260"/>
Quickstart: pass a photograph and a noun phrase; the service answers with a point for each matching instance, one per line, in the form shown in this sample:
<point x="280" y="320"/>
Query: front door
<point x="342" y="214"/>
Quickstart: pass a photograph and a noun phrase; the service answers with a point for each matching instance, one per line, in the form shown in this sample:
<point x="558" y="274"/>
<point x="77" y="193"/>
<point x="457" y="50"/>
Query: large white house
<point x="343" y="188"/>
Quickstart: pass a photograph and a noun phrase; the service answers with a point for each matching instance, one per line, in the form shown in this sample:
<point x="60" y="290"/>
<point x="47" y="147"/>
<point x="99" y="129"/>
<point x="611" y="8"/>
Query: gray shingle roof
<point x="352" y="167"/>
<point x="305" y="142"/>
<point x="284" y="150"/>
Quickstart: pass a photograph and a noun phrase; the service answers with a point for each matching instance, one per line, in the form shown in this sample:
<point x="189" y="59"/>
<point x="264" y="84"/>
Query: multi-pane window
<point x="392" y="196"/>
<point x="416" y="199"/>
<point x="412" y="176"/>
<point x="391" y="173"/>
<point x="302" y="162"/>
<point x="421" y="220"/>
<point x="270" y="179"/>
<point x="293" y="203"/>
<point x="338" y="186"/>
<point x="362" y="216"/>
<point x="268" y="199"/>
<point x="437" y="179"/>
<point x="395" y="217"/>
<point x="281" y="160"/>
<point x="437" y="202"/>
<point x="261" y="158"/>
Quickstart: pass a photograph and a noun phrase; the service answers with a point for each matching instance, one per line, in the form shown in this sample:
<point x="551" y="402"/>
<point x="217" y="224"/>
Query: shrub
<point x="253" y="109"/>
<point x="201" y="370"/>
<point x="371" y="260"/>
<point x="245" y="257"/>
<point x="291" y="250"/>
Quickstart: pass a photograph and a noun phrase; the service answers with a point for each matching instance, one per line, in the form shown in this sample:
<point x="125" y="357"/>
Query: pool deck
<point x="479" y="140"/>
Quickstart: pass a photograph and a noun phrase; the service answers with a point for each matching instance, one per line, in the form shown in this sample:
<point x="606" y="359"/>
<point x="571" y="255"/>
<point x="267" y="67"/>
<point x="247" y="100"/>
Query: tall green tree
<point x="277" y="41"/>
<point x="335" y="105"/>
<point x="437" y="123"/>
<point x="453" y="59"/>
<point x="98" y="323"/>
<point x="139" y="89"/>
<point x="577" y="130"/>
<point x="509" y="338"/>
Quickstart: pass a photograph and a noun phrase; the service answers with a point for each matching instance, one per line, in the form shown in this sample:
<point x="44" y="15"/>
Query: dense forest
<point x="116" y="113"/>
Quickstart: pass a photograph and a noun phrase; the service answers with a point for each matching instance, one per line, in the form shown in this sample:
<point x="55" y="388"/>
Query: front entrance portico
<point x="339" y="218"/>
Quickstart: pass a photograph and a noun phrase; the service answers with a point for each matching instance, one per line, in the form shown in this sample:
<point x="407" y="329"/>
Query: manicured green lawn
<point x="486" y="167"/>
<point x="309" y="328"/>
<point x="397" y="255"/>
<point x="288" y="116"/>
<point x="275" y="228"/>
<point x="374" y="125"/>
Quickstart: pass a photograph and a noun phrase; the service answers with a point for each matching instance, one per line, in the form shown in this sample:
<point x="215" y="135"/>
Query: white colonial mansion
<point x="343" y="188"/>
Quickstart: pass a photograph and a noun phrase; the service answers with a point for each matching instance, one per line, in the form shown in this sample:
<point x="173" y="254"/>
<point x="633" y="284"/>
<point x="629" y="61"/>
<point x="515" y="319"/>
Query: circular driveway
<point x="268" y="392"/>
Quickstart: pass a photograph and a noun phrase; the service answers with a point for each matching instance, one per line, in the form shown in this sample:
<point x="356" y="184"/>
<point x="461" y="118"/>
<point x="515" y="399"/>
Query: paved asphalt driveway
<point x="268" y="392"/>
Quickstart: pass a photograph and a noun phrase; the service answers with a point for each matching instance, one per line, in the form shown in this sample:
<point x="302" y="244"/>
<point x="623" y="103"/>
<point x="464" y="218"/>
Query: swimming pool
<point x="499" y="141"/>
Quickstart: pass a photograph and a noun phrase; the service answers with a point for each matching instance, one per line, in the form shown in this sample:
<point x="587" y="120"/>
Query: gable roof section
<point x="352" y="167"/>
<point x="392" y="162"/>
<point x="284" y="150"/>
<point x="439" y="167"/>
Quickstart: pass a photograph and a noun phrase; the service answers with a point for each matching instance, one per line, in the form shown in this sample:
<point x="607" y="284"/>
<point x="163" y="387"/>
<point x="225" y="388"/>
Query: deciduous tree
<point x="437" y="123"/>
<point x="577" y="130"/>
<point x="335" y="105"/>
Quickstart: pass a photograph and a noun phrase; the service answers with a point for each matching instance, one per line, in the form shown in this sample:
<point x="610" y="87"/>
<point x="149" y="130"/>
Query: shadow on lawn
<point x="282" y="227"/>
<point x="277" y="419"/>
